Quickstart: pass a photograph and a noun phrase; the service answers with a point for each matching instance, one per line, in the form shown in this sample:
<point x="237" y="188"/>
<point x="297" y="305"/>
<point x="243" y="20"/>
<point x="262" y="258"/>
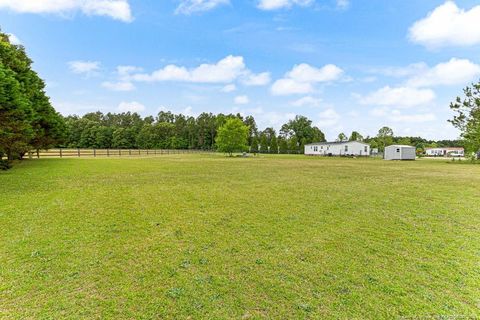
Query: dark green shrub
<point x="5" y="165"/>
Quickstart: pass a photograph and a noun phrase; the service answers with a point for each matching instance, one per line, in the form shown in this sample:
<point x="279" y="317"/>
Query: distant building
<point x="400" y="152"/>
<point x="445" y="152"/>
<point x="343" y="148"/>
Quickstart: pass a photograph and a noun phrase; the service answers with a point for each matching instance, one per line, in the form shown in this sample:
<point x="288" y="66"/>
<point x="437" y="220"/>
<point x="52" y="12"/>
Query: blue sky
<point x="347" y="65"/>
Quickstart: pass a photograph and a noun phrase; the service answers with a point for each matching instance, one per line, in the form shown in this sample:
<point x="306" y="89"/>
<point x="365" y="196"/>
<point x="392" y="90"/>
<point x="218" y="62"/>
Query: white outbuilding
<point x="400" y="152"/>
<point x="341" y="148"/>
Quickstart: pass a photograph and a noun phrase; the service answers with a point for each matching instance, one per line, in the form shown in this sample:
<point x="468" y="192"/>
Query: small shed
<point x="400" y="152"/>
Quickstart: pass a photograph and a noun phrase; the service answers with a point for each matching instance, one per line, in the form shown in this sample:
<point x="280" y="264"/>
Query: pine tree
<point x="254" y="145"/>
<point x="263" y="143"/>
<point x="28" y="120"/>
<point x="283" y="146"/>
<point x="15" y="116"/>
<point x="273" y="145"/>
<point x="293" y="145"/>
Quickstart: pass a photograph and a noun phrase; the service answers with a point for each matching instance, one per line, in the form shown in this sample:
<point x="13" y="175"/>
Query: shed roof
<point x="400" y="146"/>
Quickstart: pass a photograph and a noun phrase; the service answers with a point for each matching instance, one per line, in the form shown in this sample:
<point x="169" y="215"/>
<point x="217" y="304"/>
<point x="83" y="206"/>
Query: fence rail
<point x="78" y="153"/>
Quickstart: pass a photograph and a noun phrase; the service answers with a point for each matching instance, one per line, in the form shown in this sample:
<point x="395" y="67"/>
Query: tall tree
<point x="301" y="128"/>
<point x="273" y="145"/>
<point x="384" y="138"/>
<point x="282" y="145"/>
<point x="293" y="145"/>
<point x="232" y="136"/>
<point x="252" y="128"/>
<point x="263" y="143"/>
<point x="43" y="127"/>
<point x="467" y="116"/>
<point x="254" y="145"/>
<point x="15" y="116"/>
<point x="355" y="136"/>
<point x="342" y="137"/>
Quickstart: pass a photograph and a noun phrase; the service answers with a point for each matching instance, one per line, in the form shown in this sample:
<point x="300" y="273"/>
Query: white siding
<point x="453" y="152"/>
<point x="338" y="149"/>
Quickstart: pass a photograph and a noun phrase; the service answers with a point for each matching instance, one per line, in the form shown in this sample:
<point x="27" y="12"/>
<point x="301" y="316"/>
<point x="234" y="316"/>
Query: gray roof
<point x="333" y="143"/>
<point x="400" y="146"/>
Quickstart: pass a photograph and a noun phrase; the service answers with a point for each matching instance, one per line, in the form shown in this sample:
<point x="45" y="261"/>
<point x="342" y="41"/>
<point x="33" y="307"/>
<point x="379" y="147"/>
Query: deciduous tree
<point x="384" y="138"/>
<point x="467" y="116"/>
<point x="232" y="136"/>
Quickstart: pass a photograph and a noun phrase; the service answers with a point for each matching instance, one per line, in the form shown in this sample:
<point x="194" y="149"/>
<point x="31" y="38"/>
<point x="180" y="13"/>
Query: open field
<point x="204" y="236"/>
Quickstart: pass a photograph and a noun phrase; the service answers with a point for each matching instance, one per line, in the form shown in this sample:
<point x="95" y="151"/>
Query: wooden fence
<point x="78" y="153"/>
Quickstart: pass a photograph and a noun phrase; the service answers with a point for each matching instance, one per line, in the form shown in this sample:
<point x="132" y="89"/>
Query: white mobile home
<point x="444" y="152"/>
<point x="400" y="152"/>
<point x="344" y="148"/>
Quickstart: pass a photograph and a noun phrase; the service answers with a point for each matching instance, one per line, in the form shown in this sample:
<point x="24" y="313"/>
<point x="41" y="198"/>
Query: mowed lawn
<point x="205" y="236"/>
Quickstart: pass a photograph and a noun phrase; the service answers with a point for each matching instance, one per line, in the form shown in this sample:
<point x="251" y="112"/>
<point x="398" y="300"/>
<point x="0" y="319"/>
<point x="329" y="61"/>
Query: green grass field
<point x="205" y="236"/>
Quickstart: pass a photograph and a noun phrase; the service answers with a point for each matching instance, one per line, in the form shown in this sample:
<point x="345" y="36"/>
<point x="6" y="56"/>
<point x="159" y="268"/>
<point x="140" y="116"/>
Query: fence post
<point x="38" y="154"/>
<point x="94" y="153"/>
<point x="147" y="152"/>
<point x="138" y="151"/>
<point x="108" y="153"/>
<point x="119" y="152"/>
<point x="30" y="154"/>
<point x="78" y="152"/>
<point x="61" y="155"/>
<point x="129" y="152"/>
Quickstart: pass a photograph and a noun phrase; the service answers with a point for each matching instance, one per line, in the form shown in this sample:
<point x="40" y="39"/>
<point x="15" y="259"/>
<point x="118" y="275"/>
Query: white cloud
<point x="229" y="88"/>
<point x="307" y="101"/>
<point x="224" y="71"/>
<point x="301" y="78"/>
<point x="400" y="72"/>
<point x="191" y="6"/>
<point x="227" y="70"/>
<point x="84" y="67"/>
<point x="260" y="79"/>
<point x="280" y="4"/>
<point x="124" y="72"/>
<point x="401" y="97"/>
<point x="116" y="9"/>
<point x="448" y="25"/>
<point x="14" y="39"/>
<point x="455" y="71"/>
<point x="328" y="118"/>
<point x="67" y="108"/>
<point x="306" y="73"/>
<point x="188" y="111"/>
<point x="397" y="116"/>
<point x="290" y="86"/>
<point x="133" y="106"/>
<point x="343" y="4"/>
<point x="118" y="86"/>
<point x="241" y="100"/>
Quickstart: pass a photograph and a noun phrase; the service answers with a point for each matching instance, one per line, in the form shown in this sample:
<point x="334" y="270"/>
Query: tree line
<point x="177" y="131"/>
<point x="168" y="130"/>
